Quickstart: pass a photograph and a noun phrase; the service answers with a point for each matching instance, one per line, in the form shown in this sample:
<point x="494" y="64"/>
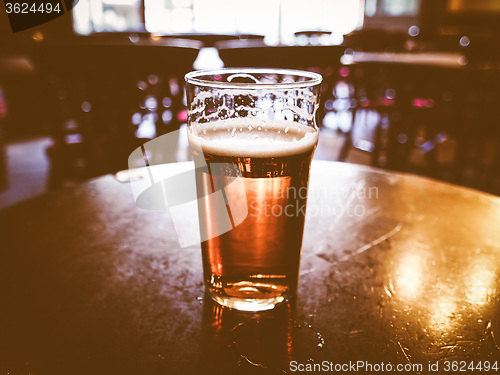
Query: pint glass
<point x="252" y="134"/>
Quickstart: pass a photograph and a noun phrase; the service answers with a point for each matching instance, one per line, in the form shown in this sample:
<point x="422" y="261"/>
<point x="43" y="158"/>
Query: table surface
<point x="395" y="268"/>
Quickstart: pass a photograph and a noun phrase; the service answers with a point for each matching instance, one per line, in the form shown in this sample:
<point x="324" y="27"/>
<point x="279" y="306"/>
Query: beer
<point x="252" y="132"/>
<point x="254" y="265"/>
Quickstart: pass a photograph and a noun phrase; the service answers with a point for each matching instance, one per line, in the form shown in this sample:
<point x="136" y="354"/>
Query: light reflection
<point x="480" y="282"/>
<point x="248" y="341"/>
<point x="38" y="36"/>
<point x="409" y="276"/>
<point x="217" y="316"/>
<point x="442" y="312"/>
<point x="413" y="30"/>
<point x="462" y="60"/>
<point x="464" y="41"/>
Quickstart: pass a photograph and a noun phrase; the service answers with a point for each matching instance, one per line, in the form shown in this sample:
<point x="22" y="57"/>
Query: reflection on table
<point x="395" y="268"/>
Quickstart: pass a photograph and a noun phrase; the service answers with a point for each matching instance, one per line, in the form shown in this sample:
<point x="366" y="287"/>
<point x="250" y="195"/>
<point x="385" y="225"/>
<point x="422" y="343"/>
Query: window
<point x="90" y="16"/>
<point x="277" y="20"/>
<point x="396" y="15"/>
<point x="391" y="8"/>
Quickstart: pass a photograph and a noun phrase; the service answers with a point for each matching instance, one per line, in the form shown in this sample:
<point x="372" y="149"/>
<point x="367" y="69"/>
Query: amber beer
<point x="252" y="133"/>
<point x="259" y="259"/>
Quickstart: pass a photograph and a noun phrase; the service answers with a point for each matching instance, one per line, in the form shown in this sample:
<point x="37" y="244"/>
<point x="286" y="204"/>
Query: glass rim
<point x="313" y="78"/>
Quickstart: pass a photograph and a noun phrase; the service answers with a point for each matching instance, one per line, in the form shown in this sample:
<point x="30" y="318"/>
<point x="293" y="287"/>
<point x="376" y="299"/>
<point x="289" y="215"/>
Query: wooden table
<point x="395" y="269"/>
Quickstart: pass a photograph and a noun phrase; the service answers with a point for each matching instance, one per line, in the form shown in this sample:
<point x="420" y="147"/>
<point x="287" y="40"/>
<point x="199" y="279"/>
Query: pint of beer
<point x="252" y="133"/>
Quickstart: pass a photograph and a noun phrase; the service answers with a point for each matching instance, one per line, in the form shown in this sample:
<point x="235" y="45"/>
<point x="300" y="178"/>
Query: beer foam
<point x="253" y="138"/>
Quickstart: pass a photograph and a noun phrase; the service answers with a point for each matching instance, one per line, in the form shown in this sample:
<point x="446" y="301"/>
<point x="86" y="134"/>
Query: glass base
<point x="249" y="296"/>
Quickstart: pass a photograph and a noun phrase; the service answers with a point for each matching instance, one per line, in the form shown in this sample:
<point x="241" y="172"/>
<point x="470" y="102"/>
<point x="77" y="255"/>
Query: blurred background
<point x="410" y="85"/>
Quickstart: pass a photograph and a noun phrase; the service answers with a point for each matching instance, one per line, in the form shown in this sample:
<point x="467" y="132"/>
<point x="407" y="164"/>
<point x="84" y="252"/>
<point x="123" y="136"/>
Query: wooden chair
<point x="101" y="91"/>
<point x="374" y="92"/>
<point x="441" y="121"/>
<point x="415" y="115"/>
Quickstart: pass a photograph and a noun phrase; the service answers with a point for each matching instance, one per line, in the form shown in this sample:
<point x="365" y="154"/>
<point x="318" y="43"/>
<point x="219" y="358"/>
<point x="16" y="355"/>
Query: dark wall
<point x="22" y="86"/>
